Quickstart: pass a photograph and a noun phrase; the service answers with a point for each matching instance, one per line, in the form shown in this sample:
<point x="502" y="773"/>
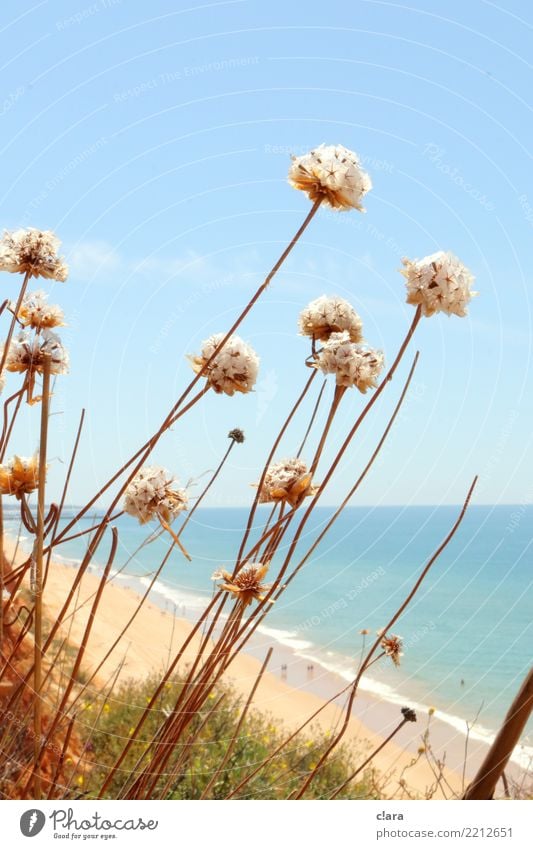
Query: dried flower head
<point x="26" y="353"/>
<point x="32" y="252"/>
<point x="150" y="495"/>
<point x="332" y="174"/>
<point x="392" y="646"/>
<point x="438" y="283"/>
<point x="35" y="312"/>
<point x="364" y="631"/>
<point x="352" y="364"/>
<point x="233" y="369"/>
<point x="409" y="714"/>
<point x="237" y="435"/>
<point x="19" y="476"/>
<point x="246" y="585"/>
<point x="326" y="315"/>
<point x="288" y="480"/>
<point x="431" y="711"/>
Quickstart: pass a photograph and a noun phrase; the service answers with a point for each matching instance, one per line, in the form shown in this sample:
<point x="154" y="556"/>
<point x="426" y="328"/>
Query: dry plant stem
<point x="260" y="612"/>
<point x="352" y="687"/>
<point x="207" y="488"/>
<point x="360" y="479"/>
<point x="7" y="424"/>
<point x="194" y="696"/>
<point x="176" y="539"/>
<point x="368" y="760"/>
<point x="143" y="452"/>
<point x="66" y="484"/>
<point x="265" y="469"/>
<point x="2" y="577"/>
<point x="64" y="750"/>
<point x="285" y="743"/>
<point x="340" y="453"/>
<point x="126" y="627"/>
<point x="38" y="588"/>
<point x="240" y="723"/>
<point x="348" y="711"/>
<point x="175" y="412"/>
<point x="313" y="417"/>
<point x="108" y="693"/>
<point x="187" y="748"/>
<point x="60" y="712"/>
<point x="157" y="693"/>
<point x="14" y="321"/>
<point x="497" y="758"/>
<point x="337" y="398"/>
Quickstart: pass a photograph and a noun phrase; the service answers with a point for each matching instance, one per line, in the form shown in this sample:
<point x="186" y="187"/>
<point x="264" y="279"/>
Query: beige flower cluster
<point x="36" y="313"/>
<point x="150" y="495"/>
<point x="246" y="585"/>
<point x="26" y="353"/>
<point x="327" y="315"/>
<point x="233" y="369"/>
<point x="32" y="252"/>
<point x="438" y="283"/>
<point x="288" y="480"/>
<point x="19" y="476"/>
<point x="352" y="364"/>
<point x="331" y="174"/>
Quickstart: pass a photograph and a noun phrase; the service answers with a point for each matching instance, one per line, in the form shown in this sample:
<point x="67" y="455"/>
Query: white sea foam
<point x="176" y="595"/>
<point x="522" y="754"/>
<point x="285" y="638"/>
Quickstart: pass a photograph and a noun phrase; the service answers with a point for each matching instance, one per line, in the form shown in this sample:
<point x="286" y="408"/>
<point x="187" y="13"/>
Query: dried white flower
<point x="438" y="283"/>
<point x="150" y="495"/>
<point x="35" y="312"/>
<point x="247" y="584"/>
<point x="26" y="353"/>
<point x="235" y="367"/>
<point x="32" y="252"/>
<point x="333" y="174"/>
<point x="352" y="364"/>
<point x="288" y="480"/>
<point x="327" y="315"/>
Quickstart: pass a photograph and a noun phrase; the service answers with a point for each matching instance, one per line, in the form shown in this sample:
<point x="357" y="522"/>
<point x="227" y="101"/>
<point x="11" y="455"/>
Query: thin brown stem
<point x="7" y="343"/>
<point x="176" y="412"/>
<point x="265" y="469"/>
<point x="238" y="727"/>
<point x="38" y="586"/>
<point x="370" y="758"/>
<point x="338" y="737"/>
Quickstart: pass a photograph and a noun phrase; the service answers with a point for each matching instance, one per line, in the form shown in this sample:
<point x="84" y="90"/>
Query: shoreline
<point x="289" y="697"/>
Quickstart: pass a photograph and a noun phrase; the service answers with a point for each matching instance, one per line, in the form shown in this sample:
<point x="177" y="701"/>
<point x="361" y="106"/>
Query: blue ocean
<point x="467" y="634"/>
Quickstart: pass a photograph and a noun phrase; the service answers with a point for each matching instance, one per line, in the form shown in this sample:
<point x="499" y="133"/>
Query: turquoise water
<point x="467" y="633"/>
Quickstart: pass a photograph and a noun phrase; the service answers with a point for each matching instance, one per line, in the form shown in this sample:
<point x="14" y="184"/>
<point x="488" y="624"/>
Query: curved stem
<point x="338" y="737"/>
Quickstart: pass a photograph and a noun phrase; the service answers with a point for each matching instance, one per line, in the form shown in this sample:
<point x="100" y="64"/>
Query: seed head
<point x="247" y="584"/>
<point x="150" y="495"/>
<point x="332" y="174"/>
<point x="233" y="369"/>
<point x="352" y="364"/>
<point x="288" y="480"/>
<point x="325" y="316"/>
<point x="438" y="283"/>
<point x="32" y="252"/>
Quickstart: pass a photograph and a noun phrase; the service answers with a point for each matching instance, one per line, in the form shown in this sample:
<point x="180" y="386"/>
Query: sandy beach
<point x="289" y="695"/>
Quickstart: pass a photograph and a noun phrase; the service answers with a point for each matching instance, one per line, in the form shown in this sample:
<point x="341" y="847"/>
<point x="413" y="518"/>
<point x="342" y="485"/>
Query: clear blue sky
<point x="155" y="139"/>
